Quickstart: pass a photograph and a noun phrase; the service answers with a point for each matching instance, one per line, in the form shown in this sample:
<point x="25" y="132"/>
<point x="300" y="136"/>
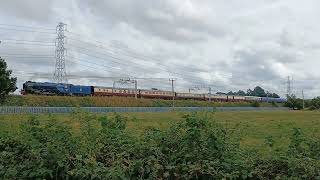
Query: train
<point x="60" y="89"/>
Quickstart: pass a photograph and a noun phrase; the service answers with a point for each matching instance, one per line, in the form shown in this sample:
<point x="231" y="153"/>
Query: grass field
<point x="66" y="101"/>
<point x="251" y="127"/>
<point x="175" y="145"/>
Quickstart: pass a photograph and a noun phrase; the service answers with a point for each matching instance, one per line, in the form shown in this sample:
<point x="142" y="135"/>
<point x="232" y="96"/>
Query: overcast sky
<point x="229" y="45"/>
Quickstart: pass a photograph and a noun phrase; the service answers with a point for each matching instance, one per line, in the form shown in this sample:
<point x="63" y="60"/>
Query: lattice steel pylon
<point x="60" y="75"/>
<point x="289" y="91"/>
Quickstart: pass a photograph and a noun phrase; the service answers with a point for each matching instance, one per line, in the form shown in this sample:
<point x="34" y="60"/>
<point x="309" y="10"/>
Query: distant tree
<point x="241" y="93"/>
<point x="314" y="103"/>
<point x="294" y="103"/>
<point x="250" y="92"/>
<point x="230" y="93"/>
<point x="258" y="91"/>
<point x="7" y="83"/>
<point x="221" y="93"/>
<point x="274" y="95"/>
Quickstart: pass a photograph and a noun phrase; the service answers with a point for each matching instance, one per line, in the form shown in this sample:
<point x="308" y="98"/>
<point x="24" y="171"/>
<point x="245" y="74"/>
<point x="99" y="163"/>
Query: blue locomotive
<point x="46" y="88"/>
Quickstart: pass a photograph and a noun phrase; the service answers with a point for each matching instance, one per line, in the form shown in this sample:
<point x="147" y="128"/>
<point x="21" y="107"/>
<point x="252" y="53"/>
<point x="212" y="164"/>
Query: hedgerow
<point x="100" y="147"/>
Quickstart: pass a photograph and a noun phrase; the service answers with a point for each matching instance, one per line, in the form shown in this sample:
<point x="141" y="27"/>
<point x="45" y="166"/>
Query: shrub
<point x="255" y="104"/>
<point x="294" y="103"/>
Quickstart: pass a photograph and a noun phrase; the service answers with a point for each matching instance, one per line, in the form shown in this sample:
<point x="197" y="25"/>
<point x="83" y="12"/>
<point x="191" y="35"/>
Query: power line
<point x="23" y="40"/>
<point x="24" y="30"/>
<point x="32" y="44"/>
<point x="92" y="62"/>
<point x="25" y="54"/>
<point x="132" y="63"/>
<point x="94" y="68"/>
<point x="30" y="27"/>
<point x="130" y="54"/>
<point x="139" y="66"/>
<point x="108" y="55"/>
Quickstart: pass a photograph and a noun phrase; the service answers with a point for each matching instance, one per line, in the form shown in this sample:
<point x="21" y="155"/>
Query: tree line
<point x="257" y="91"/>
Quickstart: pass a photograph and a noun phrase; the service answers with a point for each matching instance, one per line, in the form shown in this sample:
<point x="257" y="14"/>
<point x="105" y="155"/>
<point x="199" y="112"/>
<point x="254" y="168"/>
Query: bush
<point x="294" y="103"/>
<point x="255" y="104"/>
<point x="314" y="104"/>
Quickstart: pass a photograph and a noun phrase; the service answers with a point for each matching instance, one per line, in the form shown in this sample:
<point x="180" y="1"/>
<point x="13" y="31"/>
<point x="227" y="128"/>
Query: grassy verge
<point x="66" y="101"/>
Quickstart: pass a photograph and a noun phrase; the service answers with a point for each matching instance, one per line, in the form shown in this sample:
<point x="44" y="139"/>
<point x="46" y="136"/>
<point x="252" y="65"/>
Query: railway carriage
<point x="252" y="98"/>
<point x="238" y="98"/>
<point x="219" y="98"/>
<point x="190" y="96"/>
<point x="109" y="91"/>
<point x="157" y="94"/>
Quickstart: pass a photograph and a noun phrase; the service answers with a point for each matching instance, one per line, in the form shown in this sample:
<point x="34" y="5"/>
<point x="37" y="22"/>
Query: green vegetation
<point x="297" y="103"/>
<point x="314" y="104"/>
<point x="7" y="83"/>
<point x="294" y="103"/>
<point x="257" y="91"/>
<point x="67" y="101"/>
<point x="237" y="145"/>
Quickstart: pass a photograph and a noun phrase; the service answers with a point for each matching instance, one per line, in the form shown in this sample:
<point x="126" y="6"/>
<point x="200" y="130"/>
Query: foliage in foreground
<point x="101" y="148"/>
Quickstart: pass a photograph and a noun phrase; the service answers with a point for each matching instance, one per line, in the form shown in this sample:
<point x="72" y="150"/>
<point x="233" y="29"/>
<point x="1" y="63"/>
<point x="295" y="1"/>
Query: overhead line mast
<point x="60" y="75"/>
<point x="172" y="89"/>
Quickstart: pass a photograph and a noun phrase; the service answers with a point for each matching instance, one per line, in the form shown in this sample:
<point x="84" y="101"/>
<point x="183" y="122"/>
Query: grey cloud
<point x="38" y="10"/>
<point x="252" y="65"/>
<point x="230" y="45"/>
<point x="158" y="18"/>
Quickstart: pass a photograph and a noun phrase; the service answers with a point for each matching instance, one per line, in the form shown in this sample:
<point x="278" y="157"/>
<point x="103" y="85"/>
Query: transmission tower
<point x="289" y="86"/>
<point x="60" y="75"/>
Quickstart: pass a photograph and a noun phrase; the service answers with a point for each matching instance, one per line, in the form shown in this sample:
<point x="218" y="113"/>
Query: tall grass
<point x="67" y="101"/>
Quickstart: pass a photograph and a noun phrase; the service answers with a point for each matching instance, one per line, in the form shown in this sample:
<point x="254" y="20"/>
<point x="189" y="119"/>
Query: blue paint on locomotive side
<point x="81" y="90"/>
<point x="64" y="88"/>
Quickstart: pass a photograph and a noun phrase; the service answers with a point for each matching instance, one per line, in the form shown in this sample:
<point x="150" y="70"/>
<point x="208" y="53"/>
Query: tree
<point x="7" y="83"/>
<point x="221" y="93"/>
<point x="241" y="93"/>
<point x="258" y="91"/>
<point x="274" y="95"/>
<point x="250" y="92"/>
<point x="294" y="102"/>
<point x="315" y="103"/>
<point x="230" y="93"/>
